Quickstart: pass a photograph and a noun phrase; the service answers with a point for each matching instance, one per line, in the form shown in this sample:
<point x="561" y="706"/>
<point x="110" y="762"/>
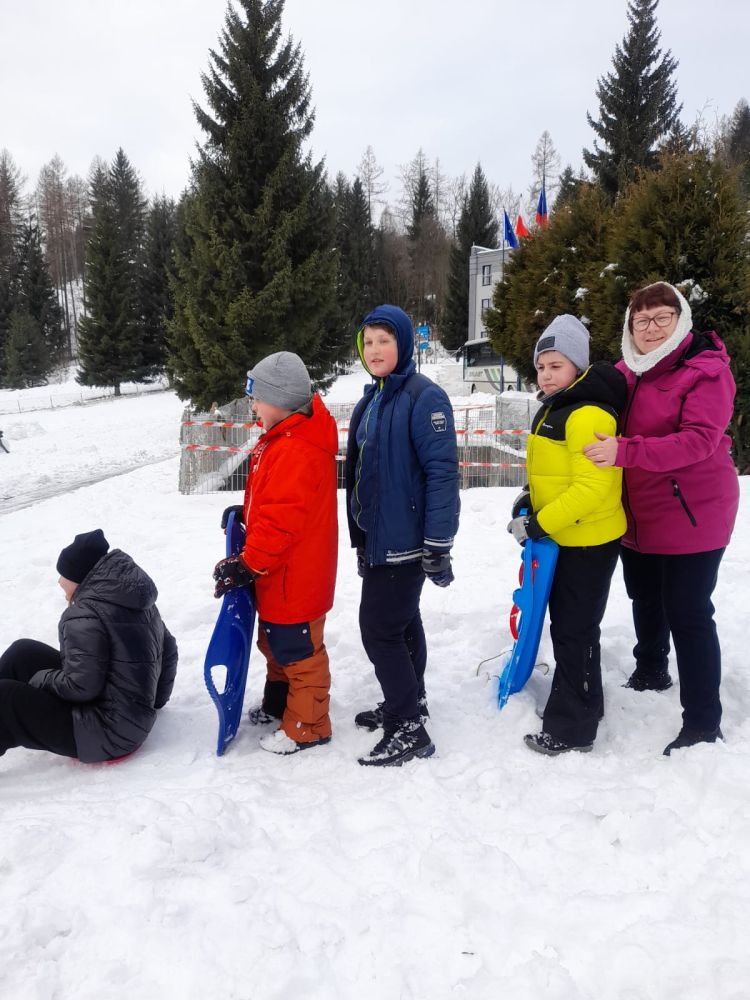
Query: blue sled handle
<point x="230" y="647"/>
<point x="539" y="559"/>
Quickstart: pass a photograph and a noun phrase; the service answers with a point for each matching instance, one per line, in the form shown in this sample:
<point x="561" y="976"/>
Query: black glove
<point x="239" y="514"/>
<point x="522" y="503"/>
<point x="230" y="573"/>
<point x="524" y="527"/>
<point x="437" y="567"/>
<point x="360" y="562"/>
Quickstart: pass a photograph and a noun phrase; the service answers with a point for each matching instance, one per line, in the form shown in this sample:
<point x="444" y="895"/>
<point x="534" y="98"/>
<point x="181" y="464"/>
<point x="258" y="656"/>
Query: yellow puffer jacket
<point x="576" y="503"/>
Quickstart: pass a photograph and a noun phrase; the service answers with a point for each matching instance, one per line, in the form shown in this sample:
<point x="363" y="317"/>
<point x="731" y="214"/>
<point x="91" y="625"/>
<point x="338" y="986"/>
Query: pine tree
<point x="477" y="226"/>
<point x="157" y="299"/>
<point x="637" y="102"/>
<point x="111" y="335"/>
<point x="686" y="224"/>
<point x="11" y="218"/>
<point x="258" y="272"/>
<point x="738" y="145"/>
<point x="354" y="242"/>
<point x="548" y="275"/>
<point x="36" y="334"/>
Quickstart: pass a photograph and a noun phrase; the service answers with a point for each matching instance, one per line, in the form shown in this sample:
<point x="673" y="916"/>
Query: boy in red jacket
<point x="290" y="550"/>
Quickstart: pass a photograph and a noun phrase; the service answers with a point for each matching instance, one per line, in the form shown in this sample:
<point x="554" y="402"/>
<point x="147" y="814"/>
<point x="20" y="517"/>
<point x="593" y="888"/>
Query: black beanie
<point x="80" y="557"/>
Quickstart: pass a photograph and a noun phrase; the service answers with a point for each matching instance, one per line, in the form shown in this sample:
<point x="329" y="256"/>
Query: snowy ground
<point x="485" y="872"/>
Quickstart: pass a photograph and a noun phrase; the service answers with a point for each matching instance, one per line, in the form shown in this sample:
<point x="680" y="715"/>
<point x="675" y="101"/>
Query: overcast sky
<point x="466" y="82"/>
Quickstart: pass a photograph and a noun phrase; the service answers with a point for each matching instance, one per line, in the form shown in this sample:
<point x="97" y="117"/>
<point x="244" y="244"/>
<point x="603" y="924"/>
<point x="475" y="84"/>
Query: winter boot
<point x="406" y="740"/>
<point x="689" y="737"/>
<point x="258" y="716"/>
<point x="641" y="680"/>
<point x="278" y="742"/>
<point x="546" y="744"/>
<point x="372" y="718"/>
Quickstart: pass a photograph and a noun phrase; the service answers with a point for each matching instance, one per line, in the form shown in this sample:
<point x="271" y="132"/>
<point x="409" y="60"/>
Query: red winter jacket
<point x="291" y="517"/>
<point x="680" y="489"/>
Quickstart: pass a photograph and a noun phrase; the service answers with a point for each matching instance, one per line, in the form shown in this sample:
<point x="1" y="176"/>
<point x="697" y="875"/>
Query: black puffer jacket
<point x="118" y="659"/>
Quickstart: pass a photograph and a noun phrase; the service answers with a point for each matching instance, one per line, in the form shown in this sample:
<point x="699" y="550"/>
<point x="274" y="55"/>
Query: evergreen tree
<point x="354" y="242"/>
<point x="738" y="145"/>
<point x="157" y="301"/>
<point x="477" y="226"/>
<point x="36" y="297"/>
<point x="259" y="271"/>
<point x="111" y="335"/>
<point x="685" y="224"/>
<point x="637" y="102"/>
<point x="11" y="217"/>
<point x="548" y="275"/>
<point x="27" y="359"/>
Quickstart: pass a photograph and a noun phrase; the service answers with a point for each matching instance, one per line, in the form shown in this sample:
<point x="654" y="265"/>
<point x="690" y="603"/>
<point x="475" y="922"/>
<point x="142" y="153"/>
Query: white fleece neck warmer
<point x="640" y="363"/>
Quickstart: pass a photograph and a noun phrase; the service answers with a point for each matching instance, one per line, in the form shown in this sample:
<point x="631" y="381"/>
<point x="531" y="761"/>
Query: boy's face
<point x="269" y="414"/>
<point x="379" y="350"/>
<point x="554" y="372"/>
<point x="68" y="588"/>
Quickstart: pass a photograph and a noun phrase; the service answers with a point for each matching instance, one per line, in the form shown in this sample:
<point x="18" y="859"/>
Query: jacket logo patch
<point x="439" y="421"/>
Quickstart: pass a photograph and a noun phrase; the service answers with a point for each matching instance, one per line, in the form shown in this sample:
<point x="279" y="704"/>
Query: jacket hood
<point x="313" y="424"/>
<point x="117" y="579"/>
<point x="601" y="383"/>
<point x="394" y="319"/>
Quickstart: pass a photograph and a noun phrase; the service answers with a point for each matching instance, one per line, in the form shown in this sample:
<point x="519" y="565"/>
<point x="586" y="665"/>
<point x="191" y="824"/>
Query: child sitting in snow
<point x="579" y="507"/>
<point x="96" y="697"/>
<point x="290" y="550"/>
<point x="402" y="506"/>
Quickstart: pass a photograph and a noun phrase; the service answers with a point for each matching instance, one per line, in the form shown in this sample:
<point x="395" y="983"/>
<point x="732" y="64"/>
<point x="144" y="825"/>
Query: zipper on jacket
<point x="367" y="415"/>
<point x="678" y="493"/>
<point x="625" y="496"/>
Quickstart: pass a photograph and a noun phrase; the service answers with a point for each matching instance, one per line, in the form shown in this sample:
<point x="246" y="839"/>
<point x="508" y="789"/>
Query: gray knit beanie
<point x="570" y="337"/>
<point x="281" y="379"/>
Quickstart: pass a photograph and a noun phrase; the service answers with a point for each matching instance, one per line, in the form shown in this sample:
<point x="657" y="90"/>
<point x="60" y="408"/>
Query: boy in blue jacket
<point x="402" y="507"/>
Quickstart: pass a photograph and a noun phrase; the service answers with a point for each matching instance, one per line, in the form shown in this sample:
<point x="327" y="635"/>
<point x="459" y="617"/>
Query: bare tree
<point x="545" y="163"/>
<point x="370" y="172"/>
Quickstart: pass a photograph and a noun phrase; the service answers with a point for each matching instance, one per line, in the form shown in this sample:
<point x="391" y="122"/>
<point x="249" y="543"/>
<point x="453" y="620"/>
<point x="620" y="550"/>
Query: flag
<point x="508" y="235"/>
<point x="521" y="229"/>
<point x="541" y="208"/>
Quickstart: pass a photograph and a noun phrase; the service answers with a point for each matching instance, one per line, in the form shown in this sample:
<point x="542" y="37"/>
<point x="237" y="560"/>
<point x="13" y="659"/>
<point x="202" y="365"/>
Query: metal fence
<point x="216" y="446"/>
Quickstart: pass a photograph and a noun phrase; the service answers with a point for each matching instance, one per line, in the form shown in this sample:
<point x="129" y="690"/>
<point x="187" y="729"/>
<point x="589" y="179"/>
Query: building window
<point x="486" y="274"/>
<point x="485" y="307"/>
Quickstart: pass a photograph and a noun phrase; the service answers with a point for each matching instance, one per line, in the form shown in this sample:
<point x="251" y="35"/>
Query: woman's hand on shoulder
<point x="603" y="451"/>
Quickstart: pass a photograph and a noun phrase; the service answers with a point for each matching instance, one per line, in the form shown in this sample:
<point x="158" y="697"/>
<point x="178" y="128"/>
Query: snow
<point x="484" y="872"/>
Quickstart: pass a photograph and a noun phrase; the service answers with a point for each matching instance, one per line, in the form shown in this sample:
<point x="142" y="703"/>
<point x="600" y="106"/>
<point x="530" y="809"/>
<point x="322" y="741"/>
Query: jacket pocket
<point x="676" y="492"/>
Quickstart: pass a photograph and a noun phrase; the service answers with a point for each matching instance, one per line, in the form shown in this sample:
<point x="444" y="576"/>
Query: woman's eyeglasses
<point x="642" y="323"/>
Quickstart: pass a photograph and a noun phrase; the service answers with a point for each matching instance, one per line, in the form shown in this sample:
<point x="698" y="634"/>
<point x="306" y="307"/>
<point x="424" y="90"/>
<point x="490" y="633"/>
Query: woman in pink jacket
<point x="680" y="493"/>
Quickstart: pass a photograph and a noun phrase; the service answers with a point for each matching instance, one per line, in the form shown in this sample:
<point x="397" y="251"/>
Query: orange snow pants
<point x="296" y="655"/>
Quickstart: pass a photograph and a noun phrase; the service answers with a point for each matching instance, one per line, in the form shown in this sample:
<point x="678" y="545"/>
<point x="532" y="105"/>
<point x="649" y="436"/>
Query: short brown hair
<point x="658" y="294"/>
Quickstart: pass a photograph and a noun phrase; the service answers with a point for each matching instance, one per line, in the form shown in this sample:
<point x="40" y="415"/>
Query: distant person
<point x="682" y="497"/>
<point x="96" y="697"/>
<point x="402" y="506"/>
<point x="580" y="508"/>
<point x="290" y="553"/>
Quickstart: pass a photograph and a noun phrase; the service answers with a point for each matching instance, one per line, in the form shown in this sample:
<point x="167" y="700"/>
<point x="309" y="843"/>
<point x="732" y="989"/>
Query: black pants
<point x="673" y="594"/>
<point x="393" y="636"/>
<point x="29" y="717"/>
<point x="576" y="607"/>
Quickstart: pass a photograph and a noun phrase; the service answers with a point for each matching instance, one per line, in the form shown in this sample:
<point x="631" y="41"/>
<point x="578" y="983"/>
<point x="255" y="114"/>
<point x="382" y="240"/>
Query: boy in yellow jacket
<point x="579" y="506"/>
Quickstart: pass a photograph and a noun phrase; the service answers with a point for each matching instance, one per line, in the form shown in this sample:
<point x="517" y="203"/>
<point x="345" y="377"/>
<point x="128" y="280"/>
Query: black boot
<point x="689" y="737"/>
<point x="372" y="718"/>
<point x="546" y="744"/>
<point x="640" y="680"/>
<point x="406" y="740"/>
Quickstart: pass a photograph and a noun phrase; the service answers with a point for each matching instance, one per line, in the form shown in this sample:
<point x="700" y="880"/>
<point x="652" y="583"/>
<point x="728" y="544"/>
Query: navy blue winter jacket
<point x="402" y="466"/>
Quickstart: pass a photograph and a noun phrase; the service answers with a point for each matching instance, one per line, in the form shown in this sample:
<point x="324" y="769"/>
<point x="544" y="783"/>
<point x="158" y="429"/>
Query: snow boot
<point x="407" y="740"/>
<point x="548" y="745"/>
<point x="641" y="680"/>
<point x="689" y="737"/>
<point x="372" y="718"/>
<point x="278" y="742"/>
<point x="258" y="716"/>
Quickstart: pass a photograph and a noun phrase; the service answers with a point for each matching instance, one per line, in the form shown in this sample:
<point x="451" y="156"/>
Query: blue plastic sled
<point x="527" y="616"/>
<point x="230" y="647"/>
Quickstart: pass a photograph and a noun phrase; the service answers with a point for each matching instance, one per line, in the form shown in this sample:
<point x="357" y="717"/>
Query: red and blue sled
<point x="229" y="648"/>
<point x="527" y="615"/>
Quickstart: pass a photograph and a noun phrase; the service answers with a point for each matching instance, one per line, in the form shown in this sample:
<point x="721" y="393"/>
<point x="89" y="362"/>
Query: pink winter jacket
<point x="680" y="488"/>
